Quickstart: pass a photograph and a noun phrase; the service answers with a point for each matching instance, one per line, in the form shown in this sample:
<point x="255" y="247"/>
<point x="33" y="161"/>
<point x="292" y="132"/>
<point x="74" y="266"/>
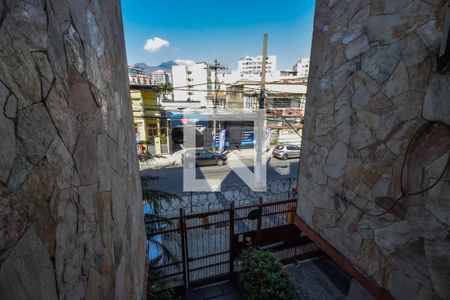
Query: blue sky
<point x="201" y="30"/>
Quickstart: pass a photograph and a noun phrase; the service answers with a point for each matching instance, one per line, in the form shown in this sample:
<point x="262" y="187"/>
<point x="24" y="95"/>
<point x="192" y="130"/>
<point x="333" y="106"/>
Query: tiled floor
<point x="317" y="279"/>
<point x="320" y="279"/>
<point x="221" y="291"/>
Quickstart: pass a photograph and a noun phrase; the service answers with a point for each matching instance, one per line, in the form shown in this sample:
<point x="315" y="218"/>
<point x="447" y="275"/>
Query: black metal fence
<point x="197" y="202"/>
<point x="205" y="232"/>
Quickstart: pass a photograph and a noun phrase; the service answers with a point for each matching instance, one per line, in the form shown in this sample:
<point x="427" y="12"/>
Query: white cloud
<point x="154" y="44"/>
<point x="184" y="62"/>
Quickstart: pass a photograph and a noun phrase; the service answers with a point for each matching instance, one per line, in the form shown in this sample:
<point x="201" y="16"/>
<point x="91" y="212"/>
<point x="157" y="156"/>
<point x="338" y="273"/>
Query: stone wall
<point x="71" y="219"/>
<point x="373" y="83"/>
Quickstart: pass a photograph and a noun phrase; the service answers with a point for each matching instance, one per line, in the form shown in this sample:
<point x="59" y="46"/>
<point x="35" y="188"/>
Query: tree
<point x="164" y="90"/>
<point x="152" y="201"/>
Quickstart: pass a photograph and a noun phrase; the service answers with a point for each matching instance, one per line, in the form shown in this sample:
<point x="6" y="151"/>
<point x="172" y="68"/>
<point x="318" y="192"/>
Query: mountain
<point x="142" y="65"/>
<point x="166" y="66"/>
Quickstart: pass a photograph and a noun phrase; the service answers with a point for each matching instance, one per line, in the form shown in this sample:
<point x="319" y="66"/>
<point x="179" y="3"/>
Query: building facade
<point x="191" y="84"/>
<point x="136" y="76"/>
<point x="301" y="68"/>
<point x="279" y="94"/>
<point x="253" y="65"/>
<point x="150" y="125"/>
<point x="160" y="77"/>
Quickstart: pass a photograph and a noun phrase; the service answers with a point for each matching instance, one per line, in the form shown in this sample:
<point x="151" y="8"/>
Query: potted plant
<point x="263" y="277"/>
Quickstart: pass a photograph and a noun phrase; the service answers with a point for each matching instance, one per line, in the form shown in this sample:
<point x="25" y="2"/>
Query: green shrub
<point x="262" y="277"/>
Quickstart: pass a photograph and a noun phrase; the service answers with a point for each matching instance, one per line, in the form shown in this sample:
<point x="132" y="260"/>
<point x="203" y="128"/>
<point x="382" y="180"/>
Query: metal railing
<point x="205" y="232"/>
<point x="198" y="202"/>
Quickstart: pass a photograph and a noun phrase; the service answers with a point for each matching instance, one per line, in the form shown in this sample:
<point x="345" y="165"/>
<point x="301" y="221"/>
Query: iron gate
<point x="204" y="246"/>
<point x="208" y="254"/>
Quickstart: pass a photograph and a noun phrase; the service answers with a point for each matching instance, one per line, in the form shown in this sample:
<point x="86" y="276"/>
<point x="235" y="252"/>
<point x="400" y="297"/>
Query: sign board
<point x="157" y="145"/>
<point x="247" y="138"/>
<point x="222" y="140"/>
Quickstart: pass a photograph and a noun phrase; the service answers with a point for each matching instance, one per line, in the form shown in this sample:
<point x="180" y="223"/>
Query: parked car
<point x="286" y="151"/>
<point x="206" y="158"/>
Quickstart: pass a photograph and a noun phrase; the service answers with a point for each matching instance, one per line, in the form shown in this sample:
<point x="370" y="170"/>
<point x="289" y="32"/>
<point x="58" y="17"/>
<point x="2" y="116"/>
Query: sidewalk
<point x="163" y="161"/>
<point x="174" y="160"/>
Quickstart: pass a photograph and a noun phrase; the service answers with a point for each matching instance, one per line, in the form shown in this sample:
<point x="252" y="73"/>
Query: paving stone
<point x="61" y="163"/>
<point x="437" y="256"/>
<point x="341" y="75"/>
<point x="357" y="47"/>
<point x="398" y="83"/>
<point x="355" y="28"/>
<point x="393" y="237"/>
<point x="360" y="98"/>
<point x="436" y="106"/>
<point x="64" y="118"/>
<point x="319" y="278"/>
<point x="394" y="6"/>
<point x="17" y="65"/>
<point x="357" y="291"/>
<point x="11" y="107"/>
<point x="413" y="50"/>
<point x="74" y="48"/>
<point x="379" y="62"/>
<point x="389" y="28"/>
<point x="381" y="188"/>
<point x="336" y="161"/>
<point x="379" y="104"/>
<point x="361" y="137"/>
<point x="35" y="129"/>
<point x="28" y="262"/>
<point x="19" y="173"/>
<point x="376" y="7"/>
<point x="402" y="287"/>
<point x="8" y="147"/>
<point x="429" y="33"/>
<point x="323" y="218"/>
<point x="411" y="261"/>
<point x="45" y="69"/>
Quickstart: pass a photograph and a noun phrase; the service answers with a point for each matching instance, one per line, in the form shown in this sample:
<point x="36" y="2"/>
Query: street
<point x="170" y="179"/>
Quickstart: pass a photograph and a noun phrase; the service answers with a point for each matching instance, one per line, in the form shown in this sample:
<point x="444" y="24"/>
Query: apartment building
<point x="301" y="68"/>
<point x="160" y="77"/>
<point x="136" y="76"/>
<point x="253" y="65"/>
<point x="191" y="85"/>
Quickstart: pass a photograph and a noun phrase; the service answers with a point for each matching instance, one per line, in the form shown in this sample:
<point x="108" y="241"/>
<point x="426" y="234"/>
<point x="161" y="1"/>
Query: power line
<point x="229" y="84"/>
<point x="256" y="91"/>
<point x="285" y="119"/>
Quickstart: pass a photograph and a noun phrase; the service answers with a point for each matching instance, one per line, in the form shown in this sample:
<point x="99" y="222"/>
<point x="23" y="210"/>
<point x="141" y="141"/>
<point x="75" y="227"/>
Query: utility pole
<point x="216" y="66"/>
<point x="262" y="95"/>
<point x="260" y="169"/>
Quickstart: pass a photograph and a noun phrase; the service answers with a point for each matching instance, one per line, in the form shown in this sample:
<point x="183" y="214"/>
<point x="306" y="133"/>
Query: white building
<point x="160" y="77"/>
<point x="279" y="94"/>
<point x="136" y="76"/>
<point x="253" y="65"/>
<point x="302" y="67"/>
<point x="191" y="84"/>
